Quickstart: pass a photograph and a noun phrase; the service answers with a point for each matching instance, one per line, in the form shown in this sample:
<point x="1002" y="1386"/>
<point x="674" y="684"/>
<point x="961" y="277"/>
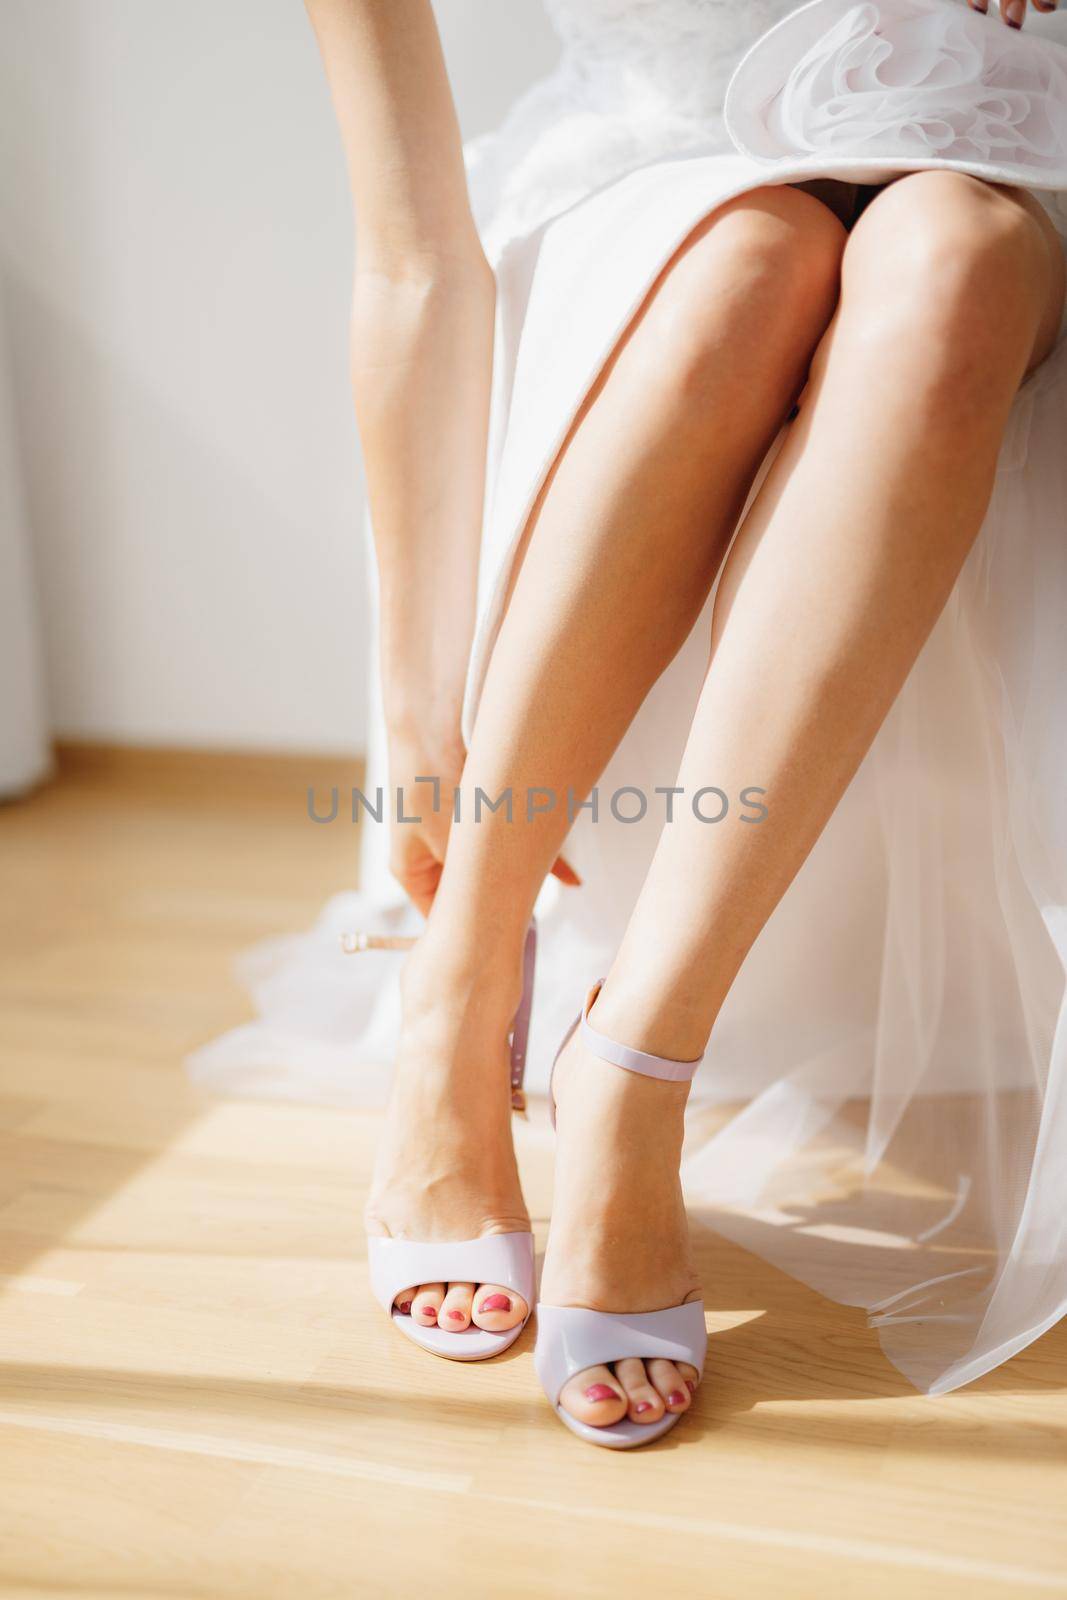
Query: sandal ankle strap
<point x="621" y="1055"/>
<point x="520" y="1028"/>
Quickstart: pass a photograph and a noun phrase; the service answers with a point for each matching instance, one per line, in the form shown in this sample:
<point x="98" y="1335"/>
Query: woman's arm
<point x="422" y="338"/>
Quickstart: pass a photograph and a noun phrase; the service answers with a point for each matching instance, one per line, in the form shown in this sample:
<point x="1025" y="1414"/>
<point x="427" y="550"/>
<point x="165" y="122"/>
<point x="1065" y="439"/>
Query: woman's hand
<point x="423" y="778"/>
<point x="424" y="774"/>
<point x="1013" y="12"/>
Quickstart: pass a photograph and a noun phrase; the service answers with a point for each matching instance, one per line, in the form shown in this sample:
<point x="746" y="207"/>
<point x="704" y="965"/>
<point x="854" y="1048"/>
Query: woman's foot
<point x="620" y="1238"/>
<point x="446" y="1168"/>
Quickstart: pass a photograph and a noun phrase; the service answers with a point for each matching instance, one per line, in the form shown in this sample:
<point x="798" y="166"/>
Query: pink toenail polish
<point x="495" y="1302"/>
<point x="600" y="1391"/>
<point x="691" y="1386"/>
<point x="676" y="1398"/>
<point x="405" y="1307"/>
<point x="456" y="1316"/>
<point x="431" y="1312"/>
<point x="642" y="1405"/>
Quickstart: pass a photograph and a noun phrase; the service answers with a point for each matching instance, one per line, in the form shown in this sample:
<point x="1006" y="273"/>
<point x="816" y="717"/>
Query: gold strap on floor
<point x="353" y="943"/>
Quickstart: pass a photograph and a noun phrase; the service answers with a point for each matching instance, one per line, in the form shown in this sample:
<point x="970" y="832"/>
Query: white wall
<point x="176" y="265"/>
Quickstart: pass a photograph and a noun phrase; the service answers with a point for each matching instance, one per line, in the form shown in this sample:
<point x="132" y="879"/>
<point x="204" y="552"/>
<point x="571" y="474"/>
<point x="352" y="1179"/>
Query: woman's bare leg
<point x="622" y="549"/>
<point x="951" y="290"/>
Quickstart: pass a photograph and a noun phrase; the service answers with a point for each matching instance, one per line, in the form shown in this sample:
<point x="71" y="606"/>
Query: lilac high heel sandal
<point x="570" y="1339"/>
<point x="504" y="1258"/>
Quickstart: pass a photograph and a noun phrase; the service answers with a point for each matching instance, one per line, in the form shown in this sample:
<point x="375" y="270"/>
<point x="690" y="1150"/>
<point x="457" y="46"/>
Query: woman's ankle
<point x="647" y="1011"/>
<point x="459" y="984"/>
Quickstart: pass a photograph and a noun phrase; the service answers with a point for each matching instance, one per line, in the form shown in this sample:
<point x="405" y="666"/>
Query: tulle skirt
<point x="882" y="1111"/>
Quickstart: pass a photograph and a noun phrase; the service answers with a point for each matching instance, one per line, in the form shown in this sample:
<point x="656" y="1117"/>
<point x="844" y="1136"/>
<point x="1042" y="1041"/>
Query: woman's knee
<point x="957" y="265"/>
<point x="756" y="284"/>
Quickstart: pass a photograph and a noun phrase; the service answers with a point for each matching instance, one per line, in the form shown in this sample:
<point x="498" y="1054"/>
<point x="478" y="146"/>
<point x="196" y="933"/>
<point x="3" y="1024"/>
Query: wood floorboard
<point x="197" y="1398"/>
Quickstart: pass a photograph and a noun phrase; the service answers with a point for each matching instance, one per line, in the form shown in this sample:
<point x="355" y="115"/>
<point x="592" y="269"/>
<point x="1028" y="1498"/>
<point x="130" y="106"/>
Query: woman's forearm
<point x="422" y="336"/>
<point x="421" y="367"/>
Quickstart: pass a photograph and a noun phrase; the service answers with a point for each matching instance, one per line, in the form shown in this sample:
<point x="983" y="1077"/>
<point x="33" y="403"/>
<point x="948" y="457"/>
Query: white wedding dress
<point x="897" y="1040"/>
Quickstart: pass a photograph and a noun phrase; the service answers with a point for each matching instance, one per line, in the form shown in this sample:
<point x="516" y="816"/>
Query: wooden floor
<point x="196" y="1399"/>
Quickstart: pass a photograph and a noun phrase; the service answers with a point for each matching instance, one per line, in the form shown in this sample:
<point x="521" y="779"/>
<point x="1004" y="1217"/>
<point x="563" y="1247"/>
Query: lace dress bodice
<point x="676" y="53"/>
<point x="637" y="81"/>
<point x="643" y="81"/>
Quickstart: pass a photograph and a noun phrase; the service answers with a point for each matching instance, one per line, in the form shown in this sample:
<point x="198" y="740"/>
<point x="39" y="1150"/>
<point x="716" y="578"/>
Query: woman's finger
<point x="421" y="889"/>
<point x="420" y="898"/>
<point x="565" y="873"/>
<point x="418" y="876"/>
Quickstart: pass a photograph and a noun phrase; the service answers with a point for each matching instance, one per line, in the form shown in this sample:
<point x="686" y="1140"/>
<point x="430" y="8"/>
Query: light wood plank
<point x="196" y="1396"/>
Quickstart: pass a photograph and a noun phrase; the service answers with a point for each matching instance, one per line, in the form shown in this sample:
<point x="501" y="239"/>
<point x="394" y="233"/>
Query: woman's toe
<point x="496" y="1309"/>
<point x="427" y="1303"/>
<point x="669" y="1385"/>
<point x="403" y="1301"/>
<point x="595" y="1396"/>
<point x="690" y="1376"/>
<point x="644" y="1404"/>
<point x="455" y="1312"/>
